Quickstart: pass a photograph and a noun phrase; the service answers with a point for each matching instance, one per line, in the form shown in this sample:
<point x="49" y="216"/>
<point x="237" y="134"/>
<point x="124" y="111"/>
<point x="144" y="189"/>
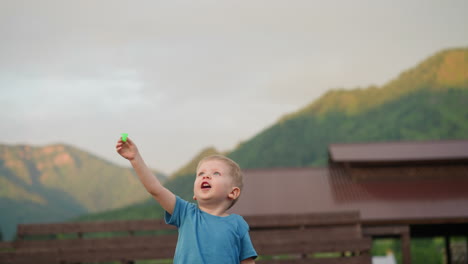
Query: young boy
<point x="207" y="234"/>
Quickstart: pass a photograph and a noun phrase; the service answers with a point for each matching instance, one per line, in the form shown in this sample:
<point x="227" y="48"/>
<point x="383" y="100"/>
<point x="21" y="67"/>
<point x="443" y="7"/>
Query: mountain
<point x="57" y="182"/>
<point x="427" y="102"/>
<point x="191" y="166"/>
<point x="445" y="70"/>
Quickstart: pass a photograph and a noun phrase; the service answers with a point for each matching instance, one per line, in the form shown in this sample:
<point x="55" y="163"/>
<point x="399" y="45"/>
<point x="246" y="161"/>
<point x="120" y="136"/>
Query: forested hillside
<point x="425" y="102"/>
<point x="303" y="140"/>
<point x="57" y="182"/>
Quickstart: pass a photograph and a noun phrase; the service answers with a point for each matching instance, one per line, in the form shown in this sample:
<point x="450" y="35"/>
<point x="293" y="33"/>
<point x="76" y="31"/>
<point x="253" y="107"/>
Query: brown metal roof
<point x="400" y="151"/>
<point x="312" y="190"/>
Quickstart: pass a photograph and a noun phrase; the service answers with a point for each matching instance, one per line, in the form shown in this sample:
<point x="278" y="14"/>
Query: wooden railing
<point x="328" y="238"/>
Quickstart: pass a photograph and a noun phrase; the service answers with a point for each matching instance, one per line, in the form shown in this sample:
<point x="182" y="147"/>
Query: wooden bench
<point x="6" y="247"/>
<point x="79" y="242"/>
<point x="325" y="238"/>
<point x="277" y="238"/>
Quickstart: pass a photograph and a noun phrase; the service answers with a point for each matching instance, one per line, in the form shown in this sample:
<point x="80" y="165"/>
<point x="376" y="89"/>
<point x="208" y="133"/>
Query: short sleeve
<point x="246" y="247"/>
<point x="179" y="213"/>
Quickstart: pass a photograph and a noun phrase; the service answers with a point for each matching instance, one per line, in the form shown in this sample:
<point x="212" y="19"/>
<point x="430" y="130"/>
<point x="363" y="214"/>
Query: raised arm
<point x="162" y="195"/>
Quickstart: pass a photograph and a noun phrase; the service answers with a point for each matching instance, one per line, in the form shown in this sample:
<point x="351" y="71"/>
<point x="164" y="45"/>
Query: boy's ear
<point x="194" y="197"/>
<point x="234" y="194"/>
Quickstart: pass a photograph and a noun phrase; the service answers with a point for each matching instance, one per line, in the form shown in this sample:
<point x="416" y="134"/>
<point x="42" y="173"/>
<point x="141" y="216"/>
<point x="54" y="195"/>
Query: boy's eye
<point x="200" y="174"/>
<point x="217" y="173"/>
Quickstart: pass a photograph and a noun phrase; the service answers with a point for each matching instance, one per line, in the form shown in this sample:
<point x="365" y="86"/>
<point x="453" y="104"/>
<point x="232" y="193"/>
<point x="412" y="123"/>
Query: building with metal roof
<point x="420" y="187"/>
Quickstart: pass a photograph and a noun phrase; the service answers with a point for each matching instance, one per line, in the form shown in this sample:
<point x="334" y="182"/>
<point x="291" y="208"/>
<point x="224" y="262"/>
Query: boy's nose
<point x="207" y="176"/>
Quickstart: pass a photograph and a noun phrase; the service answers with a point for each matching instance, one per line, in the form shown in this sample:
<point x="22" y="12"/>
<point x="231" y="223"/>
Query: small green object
<point x="124" y="137"/>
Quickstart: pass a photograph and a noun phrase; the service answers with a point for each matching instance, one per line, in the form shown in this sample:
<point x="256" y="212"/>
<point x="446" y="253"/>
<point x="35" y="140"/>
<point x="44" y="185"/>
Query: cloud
<point x="180" y="76"/>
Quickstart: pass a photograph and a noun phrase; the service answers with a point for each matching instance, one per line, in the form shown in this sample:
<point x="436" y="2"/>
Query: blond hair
<point x="234" y="171"/>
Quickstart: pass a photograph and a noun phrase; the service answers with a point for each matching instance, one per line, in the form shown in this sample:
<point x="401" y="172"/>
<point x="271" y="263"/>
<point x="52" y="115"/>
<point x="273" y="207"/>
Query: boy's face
<point x="213" y="182"/>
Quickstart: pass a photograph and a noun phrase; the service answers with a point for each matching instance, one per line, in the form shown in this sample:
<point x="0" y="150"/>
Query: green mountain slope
<point x="447" y="69"/>
<point x="426" y="102"/>
<point x="56" y="182"/>
<point x="303" y="140"/>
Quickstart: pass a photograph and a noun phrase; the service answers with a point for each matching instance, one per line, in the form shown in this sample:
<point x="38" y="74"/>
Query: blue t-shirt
<point x="209" y="239"/>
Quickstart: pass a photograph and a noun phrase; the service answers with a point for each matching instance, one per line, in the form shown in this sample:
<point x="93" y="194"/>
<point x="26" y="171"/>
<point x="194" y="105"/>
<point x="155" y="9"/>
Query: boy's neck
<point x="217" y="210"/>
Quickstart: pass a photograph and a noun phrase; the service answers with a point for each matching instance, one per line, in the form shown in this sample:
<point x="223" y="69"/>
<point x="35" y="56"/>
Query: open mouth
<point x="205" y="185"/>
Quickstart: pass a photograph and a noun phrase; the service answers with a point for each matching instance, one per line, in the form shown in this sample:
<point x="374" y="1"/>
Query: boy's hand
<point x="127" y="149"/>
<point x="164" y="197"/>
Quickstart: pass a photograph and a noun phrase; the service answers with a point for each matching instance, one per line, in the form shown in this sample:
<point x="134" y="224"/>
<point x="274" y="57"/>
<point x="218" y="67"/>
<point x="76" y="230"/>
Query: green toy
<point x="124" y="137"/>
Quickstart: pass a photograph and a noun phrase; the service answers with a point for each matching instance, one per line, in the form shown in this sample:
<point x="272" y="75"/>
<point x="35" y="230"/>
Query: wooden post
<point x="402" y="232"/>
<point x="80" y="236"/>
<point x="406" y="247"/>
<point x="448" y="251"/>
<point x="466" y="249"/>
<point x="303" y="255"/>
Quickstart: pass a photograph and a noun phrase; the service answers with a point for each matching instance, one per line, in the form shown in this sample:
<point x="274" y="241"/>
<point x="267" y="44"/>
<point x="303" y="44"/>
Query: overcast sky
<point x="180" y="76"/>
